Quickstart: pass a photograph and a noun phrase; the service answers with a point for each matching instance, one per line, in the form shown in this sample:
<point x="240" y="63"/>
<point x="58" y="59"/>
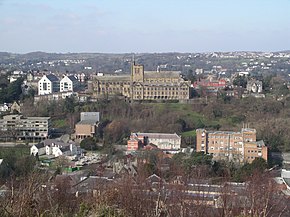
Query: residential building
<point x="237" y="146"/>
<point x="87" y="126"/>
<point x="69" y="83"/>
<point x="38" y="149"/>
<point x="15" y="107"/>
<point x="81" y="77"/>
<point x="4" y="107"/>
<point x="142" y="85"/>
<point x="48" y="84"/>
<point x="167" y="142"/>
<point x="15" y="75"/>
<point x="209" y="87"/>
<point x="25" y="128"/>
<point x="56" y="148"/>
<point x="254" y="86"/>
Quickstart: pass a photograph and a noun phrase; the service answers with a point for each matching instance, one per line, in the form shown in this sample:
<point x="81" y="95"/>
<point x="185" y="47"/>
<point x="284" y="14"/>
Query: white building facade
<point x="68" y="83"/>
<point x="48" y="84"/>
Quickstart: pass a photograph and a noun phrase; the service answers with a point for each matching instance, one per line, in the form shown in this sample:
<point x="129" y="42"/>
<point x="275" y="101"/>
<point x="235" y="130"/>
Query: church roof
<point x="162" y="74"/>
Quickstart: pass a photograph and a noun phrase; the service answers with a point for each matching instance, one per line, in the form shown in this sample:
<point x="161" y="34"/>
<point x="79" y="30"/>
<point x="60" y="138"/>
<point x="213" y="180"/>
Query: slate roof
<point x="72" y="78"/>
<point x="57" y="142"/>
<point x="52" y="77"/>
<point x="40" y="145"/>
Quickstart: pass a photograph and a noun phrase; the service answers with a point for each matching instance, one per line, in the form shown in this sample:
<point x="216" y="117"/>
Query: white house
<point x="56" y="148"/>
<point x="38" y="149"/>
<point x="68" y="83"/>
<point x="48" y="84"/>
<point x="4" y="107"/>
<point x="61" y="150"/>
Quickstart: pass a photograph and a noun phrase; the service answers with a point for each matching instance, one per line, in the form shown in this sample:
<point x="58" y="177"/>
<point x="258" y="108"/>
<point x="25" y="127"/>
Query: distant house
<point x="48" y="84"/>
<point x="15" y="75"/>
<point x="154" y="179"/>
<point x="4" y="107"/>
<point x="87" y="126"/>
<point x="209" y="87"/>
<point x="56" y="148"/>
<point x="81" y="77"/>
<point x="69" y="83"/>
<point x="15" y="107"/>
<point x="167" y="142"/>
<point x="38" y="149"/>
<point x="254" y="86"/>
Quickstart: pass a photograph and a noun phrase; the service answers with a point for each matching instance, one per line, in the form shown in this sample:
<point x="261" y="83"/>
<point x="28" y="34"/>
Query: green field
<point x="17" y="151"/>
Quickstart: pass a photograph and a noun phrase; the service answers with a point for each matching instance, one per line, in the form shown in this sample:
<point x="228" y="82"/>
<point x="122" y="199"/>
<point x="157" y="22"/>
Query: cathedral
<point x="143" y="85"/>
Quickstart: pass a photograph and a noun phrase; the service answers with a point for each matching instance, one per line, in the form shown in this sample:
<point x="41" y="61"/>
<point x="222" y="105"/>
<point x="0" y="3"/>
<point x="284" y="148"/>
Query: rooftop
<point x="113" y="77"/>
<point x="158" y="135"/>
<point x="72" y="78"/>
<point x="162" y="74"/>
<point x="250" y="130"/>
<point x="87" y="122"/>
<point x="52" y="77"/>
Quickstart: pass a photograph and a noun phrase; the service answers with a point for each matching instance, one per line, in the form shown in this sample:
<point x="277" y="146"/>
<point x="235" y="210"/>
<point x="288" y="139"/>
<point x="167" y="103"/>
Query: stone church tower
<point x="137" y="73"/>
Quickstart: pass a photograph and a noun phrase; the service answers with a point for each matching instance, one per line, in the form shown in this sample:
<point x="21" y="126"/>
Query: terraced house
<point x="143" y="85"/>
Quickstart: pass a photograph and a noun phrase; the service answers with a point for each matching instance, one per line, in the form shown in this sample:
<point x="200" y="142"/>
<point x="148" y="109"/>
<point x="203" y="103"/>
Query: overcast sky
<point x="119" y="26"/>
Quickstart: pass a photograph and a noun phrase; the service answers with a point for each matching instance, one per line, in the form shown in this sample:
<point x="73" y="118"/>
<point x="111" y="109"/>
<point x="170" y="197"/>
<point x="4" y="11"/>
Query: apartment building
<point x="237" y="146"/>
<point x="24" y="128"/>
<point x="142" y="85"/>
<point x="69" y="83"/>
<point x="48" y="84"/>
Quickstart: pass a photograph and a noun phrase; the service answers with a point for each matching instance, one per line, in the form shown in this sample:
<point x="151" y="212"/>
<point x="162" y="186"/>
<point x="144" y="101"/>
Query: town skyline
<point x="144" y="27"/>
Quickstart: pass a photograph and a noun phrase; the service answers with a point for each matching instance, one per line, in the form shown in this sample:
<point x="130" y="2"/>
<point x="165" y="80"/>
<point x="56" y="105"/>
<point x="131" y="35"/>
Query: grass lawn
<point x="59" y="123"/>
<point x="18" y="151"/>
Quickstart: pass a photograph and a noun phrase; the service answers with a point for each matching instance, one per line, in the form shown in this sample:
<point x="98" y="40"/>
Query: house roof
<point x="49" y="142"/>
<point x="92" y="182"/>
<point x="52" y="77"/>
<point x="72" y="78"/>
<point x="65" y="148"/>
<point x="40" y="145"/>
<point x="153" y="178"/>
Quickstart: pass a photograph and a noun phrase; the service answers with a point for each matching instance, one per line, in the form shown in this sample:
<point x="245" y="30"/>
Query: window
<point x="65" y="85"/>
<point x="44" y="86"/>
